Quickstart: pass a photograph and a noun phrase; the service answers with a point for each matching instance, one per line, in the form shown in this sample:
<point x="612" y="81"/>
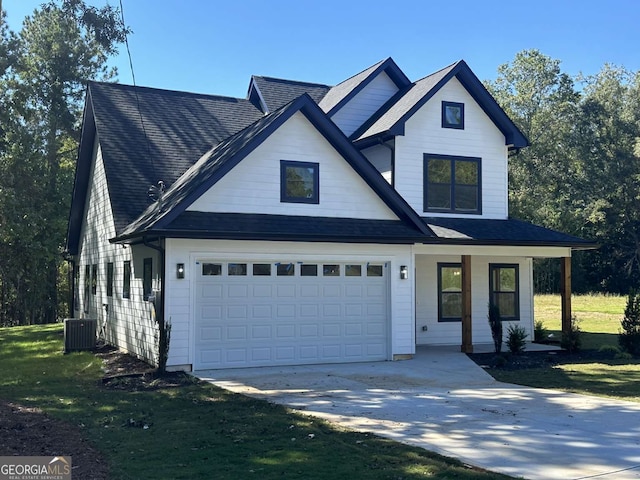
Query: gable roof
<point x="270" y="94"/>
<point x="391" y="118"/>
<point x="216" y="163"/>
<point x="339" y="95"/>
<point x="147" y="135"/>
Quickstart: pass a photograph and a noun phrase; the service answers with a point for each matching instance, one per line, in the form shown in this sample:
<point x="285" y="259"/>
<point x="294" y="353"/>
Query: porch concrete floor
<point x="442" y="401"/>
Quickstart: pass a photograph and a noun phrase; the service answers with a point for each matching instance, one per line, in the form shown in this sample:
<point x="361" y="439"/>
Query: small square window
<point x="237" y="269"/>
<point x="261" y="269"/>
<point x="331" y="270"/>
<point x="353" y="270"/>
<point x="309" y="270"/>
<point x="285" y="270"/>
<point x="210" y="269"/>
<point x="453" y="115"/>
<point x="374" y="270"/>
<point x="299" y="182"/>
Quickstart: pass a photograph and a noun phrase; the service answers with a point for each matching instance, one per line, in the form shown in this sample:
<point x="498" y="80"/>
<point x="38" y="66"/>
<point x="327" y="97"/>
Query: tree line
<point x="580" y="175"/>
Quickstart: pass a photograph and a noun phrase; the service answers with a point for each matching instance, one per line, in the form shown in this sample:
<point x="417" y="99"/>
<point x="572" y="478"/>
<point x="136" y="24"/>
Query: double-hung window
<point x="452" y="184"/>
<point x="449" y="292"/>
<point x="504" y="290"/>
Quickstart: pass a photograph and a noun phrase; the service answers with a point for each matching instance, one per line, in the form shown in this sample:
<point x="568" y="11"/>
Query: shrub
<point x="610" y="351"/>
<point x="629" y="337"/>
<point x="572" y="340"/>
<point x="496" y="327"/>
<point x="539" y="332"/>
<point x="516" y="339"/>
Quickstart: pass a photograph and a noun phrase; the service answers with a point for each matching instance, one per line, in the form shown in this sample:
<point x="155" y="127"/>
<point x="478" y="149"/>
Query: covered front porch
<point x="454" y="286"/>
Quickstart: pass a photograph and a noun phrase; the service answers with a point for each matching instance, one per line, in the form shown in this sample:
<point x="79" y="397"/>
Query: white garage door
<point x="258" y="313"/>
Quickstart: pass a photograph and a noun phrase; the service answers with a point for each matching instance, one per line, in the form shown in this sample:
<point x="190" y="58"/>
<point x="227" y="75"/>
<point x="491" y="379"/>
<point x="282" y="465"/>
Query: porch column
<point x="467" y="342"/>
<point x="565" y="291"/>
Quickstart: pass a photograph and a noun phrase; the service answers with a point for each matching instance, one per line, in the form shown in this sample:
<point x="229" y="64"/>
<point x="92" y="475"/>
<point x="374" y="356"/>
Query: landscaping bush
<point x="496" y="327"/>
<point x="516" y="339"/>
<point x="629" y="337"/>
<point x="539" y="332"/>
<point x="571" y="340"/>
<point x="610" y="351"/>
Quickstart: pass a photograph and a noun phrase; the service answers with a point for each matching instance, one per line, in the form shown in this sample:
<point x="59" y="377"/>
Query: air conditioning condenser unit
<point x="79" y="334"/>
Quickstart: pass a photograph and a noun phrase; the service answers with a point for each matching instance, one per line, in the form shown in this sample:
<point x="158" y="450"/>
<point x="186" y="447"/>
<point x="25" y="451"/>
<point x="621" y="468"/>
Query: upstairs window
<point x="504" y="288"/>
<point x="453" y="115"/>
<point x="299" y="182"/>
<point x="452" y="184"/>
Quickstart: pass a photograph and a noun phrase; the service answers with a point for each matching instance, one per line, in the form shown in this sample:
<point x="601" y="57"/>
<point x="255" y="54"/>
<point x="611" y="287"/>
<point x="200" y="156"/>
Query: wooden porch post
<point x="467" y="342"/>
<point x="565" y="273"/>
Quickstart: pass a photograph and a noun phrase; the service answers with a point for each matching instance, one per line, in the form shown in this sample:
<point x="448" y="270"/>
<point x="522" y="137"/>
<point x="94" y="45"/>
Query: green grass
<point x="599" y="320"/>
<point x="198" y="430"/>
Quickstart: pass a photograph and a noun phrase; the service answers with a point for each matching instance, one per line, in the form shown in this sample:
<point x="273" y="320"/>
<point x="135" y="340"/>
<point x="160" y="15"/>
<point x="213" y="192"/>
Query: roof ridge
<point x="376" y="65"/>
<point x="300" y="82"/>
<point x="165" y="91"/>
<point x="448" y="67"/>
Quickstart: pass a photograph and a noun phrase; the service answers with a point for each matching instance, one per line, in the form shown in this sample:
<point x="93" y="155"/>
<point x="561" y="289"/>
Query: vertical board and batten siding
<point x="181" y="299"/>
<point x="127" y="323"/>
<point x="364" y="104"/>
<point x="480" y="138"/>
<point x="253" y="186"/>
<point x="449" y="333"/>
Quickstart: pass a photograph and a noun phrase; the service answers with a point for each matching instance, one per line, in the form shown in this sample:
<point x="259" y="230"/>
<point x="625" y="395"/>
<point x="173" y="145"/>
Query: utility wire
<point x="135" y="90"/>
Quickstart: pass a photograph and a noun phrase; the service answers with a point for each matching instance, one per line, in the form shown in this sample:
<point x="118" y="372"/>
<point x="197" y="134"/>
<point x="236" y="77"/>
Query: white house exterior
<point x="303" y="224"/>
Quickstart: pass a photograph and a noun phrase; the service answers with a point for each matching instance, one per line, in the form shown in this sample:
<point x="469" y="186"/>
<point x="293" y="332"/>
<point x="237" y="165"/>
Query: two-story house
<point x="304" y="223"/>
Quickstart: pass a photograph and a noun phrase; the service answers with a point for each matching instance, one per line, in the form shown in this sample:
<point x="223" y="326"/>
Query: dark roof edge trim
<point x="390" y="67"/>
<point x="511" y="243"/>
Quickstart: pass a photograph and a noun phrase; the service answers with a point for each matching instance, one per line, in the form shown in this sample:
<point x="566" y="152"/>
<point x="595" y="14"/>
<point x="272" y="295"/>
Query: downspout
<point x="160" y="314"/>
<point x="393" y="161"/>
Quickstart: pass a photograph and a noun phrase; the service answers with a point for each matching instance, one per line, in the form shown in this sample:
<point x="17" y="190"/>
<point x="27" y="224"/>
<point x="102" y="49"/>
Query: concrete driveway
<point x="444" y="402"/>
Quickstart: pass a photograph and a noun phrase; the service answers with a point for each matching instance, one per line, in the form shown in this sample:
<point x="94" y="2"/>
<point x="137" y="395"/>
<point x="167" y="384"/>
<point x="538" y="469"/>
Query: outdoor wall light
<point x="404" y="272"/>
<point x="180" y="270"/>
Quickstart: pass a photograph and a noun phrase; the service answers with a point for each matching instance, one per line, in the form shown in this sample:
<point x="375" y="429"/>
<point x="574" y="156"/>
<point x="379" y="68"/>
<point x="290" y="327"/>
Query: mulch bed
<point x="525" y="360"/>
<point x="26" y="431"/>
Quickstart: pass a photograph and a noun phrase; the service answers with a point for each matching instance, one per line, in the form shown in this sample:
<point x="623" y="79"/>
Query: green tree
<point x="544" y="103"/>
<point x="60" y="46"/>
<point x="607" y="134"/>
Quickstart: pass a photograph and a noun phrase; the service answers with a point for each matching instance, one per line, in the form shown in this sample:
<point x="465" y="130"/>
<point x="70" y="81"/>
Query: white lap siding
<point x="127" y="323"/>
<point x="449" y="333"/>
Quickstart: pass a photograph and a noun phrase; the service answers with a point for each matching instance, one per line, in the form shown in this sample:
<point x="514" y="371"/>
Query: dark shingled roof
<point x="240" y="226"/>
<point x="469" y="231"/>
<point x="277" y="92"/>
<point x="179" y="127"/>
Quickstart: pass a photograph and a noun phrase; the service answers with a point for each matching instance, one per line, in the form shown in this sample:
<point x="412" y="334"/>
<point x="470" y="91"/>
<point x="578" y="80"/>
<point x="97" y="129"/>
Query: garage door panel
<point x="334" y="315"/>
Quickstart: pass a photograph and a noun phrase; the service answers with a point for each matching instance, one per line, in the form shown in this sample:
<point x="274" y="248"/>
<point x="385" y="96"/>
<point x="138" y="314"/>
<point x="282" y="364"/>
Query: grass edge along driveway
<point x="197" y="430"/>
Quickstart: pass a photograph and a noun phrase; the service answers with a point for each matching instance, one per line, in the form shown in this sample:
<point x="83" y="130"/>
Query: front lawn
<point x="196" y="430"/>
<point x="591" y="371"/>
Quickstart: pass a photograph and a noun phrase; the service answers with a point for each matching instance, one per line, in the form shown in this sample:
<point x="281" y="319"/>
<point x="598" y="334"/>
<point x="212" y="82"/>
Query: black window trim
<point x="452" y="159"/>
<point x="445" y="123"/>
<point x="284" y="198"/>
<point x="516" y="266"/>
<point x="147" y="278"/>
<point x="442" y="265"/>
<point x="126" y="279"/>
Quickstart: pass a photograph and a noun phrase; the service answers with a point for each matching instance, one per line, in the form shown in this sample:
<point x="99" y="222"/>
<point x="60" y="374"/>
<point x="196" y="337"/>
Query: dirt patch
<point x="28" y="431"/>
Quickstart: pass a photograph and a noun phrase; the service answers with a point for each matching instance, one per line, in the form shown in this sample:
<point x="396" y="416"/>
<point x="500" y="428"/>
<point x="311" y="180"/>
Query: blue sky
<point x="214" y="46"/>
